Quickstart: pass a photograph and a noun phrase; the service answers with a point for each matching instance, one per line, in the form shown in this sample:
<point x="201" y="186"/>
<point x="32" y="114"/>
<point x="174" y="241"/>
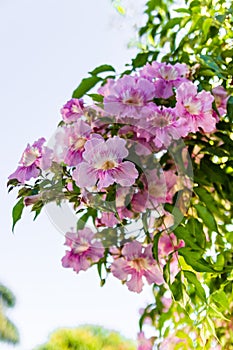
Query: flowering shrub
<point x="145" y="168"/>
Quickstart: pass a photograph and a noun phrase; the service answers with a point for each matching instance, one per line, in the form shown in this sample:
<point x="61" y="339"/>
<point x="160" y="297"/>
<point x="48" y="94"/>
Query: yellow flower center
<point x="79" y="143"/>
<point x="139" y="264"/>
<point x="108" y="164"/>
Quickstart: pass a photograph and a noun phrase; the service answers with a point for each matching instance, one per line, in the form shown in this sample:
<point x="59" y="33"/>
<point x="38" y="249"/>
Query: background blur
<point x="47" y="47"/>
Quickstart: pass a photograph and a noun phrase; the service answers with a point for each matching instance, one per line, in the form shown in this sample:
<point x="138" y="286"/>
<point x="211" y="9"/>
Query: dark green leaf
<point x="86" y="85"/>
<point x="156" y="245"/>
<point x="192" y="278"/>
<point x="230" y="108"/>
<point x="177" y="288"/>
<point x="207" y="217"/>
<point x="101" y="69"/>
<point x="140" y="60"/>
<point x="182" y="232"/>
<point x="17" y="212"/>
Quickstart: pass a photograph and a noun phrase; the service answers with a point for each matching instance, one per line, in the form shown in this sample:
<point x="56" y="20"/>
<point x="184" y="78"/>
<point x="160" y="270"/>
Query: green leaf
<point x="209" y="61"/>
<point x="206" y="26"/>
<point x="172" y="23"/>
<point x="17" y="212"/>
<point x="207" y="217"/>
<point x="207" y="199"/>
<point x="90" y="213"/>
<point x="140" y="60"/>
<point x="86" y="85"/>
<point x="230" y="108"/>
<point x="221" y="299"/>
<point x="194" y="259"/>
<point x="196" y="229"/>
<point x="214" y="311"/>
<point x="182" y="10"/>
<point x="177" y="288"/>
<point x="192" y="278"/>
<point x="12" y="182"/>
<point x="156" y="245"/>
<point x="101" y="69"/>
<point x="182" y="232"/>
<point x="96" y="97"/>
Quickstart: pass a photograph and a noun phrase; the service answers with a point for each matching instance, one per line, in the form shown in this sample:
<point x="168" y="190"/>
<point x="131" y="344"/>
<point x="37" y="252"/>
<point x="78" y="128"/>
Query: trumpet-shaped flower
<point x="165" y="77"/>
<point x="165" y="125"/>
<point x="34" y="159"/>
<point x="137" y="262"/>
<point x="85" y="250"/>
<point x="128" y="97"/>
<point x="103" y="163"/>
<point x="72" y="110"/>
<point x="195" y="107"/>
<point x="72" y="139"/>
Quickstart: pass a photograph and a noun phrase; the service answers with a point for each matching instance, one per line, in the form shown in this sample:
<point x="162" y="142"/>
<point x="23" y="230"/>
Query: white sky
<point x="47" y="47"/>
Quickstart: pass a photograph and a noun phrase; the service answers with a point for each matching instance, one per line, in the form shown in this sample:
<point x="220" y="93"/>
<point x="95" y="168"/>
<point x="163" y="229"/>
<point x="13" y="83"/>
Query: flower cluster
<point x="123" y="165"/>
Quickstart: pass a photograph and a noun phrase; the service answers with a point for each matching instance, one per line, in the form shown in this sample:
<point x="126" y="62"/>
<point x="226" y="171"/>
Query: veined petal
<point x="85" y="175"/>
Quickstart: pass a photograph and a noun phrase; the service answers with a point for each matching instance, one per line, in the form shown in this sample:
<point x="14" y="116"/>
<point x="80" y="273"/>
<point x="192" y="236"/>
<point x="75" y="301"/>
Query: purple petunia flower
<point x="137" y="262"/>
<point x="34" y="159"/>
<point x="102" y="162"/>
<point x="85" y="250"/>
<point x="165" y="77"/>
<point x="72" y="110"/>
<point x="195" y="107"/>
<point x="128" y="96"/>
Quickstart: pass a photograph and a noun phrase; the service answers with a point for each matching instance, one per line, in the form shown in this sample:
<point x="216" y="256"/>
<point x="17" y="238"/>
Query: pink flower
<point x="167" y="302"/>
<point x="157" y="190"/>
<point x="221" y="97"/>
<point x="165" y="126"/>
<point x="84" y="251"/>
<point x="128" y="96"/>
<point x="165" y="77"/>
<point x="137" y="262"/>
<point x="108" y="219"/>
<point x="168" y="244"/>
<point x="170" y="342"/>
<point x="72" y="110"/>
<point x="34" y="159"/>
<point x="103" y="163"/>
<point x="29" y="200"/>
<point x="72" y="139"/>
<point x="195" y="107"/>
<point x="143" y="342"/>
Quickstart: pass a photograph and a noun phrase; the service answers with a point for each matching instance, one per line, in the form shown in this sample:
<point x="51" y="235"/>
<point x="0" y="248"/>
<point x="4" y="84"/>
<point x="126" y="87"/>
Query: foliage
<point x="193" y="305"/>
<point x="86" y="338"/>
<point x="8" y="331"/>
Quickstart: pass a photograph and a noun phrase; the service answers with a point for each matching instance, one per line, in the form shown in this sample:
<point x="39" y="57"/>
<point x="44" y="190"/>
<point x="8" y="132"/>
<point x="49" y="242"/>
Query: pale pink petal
<point x="84" y="175"/>
<point x="135" y="283"/>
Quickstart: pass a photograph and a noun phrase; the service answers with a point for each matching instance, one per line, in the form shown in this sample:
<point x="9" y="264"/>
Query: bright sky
<point x="47" y="47"/>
